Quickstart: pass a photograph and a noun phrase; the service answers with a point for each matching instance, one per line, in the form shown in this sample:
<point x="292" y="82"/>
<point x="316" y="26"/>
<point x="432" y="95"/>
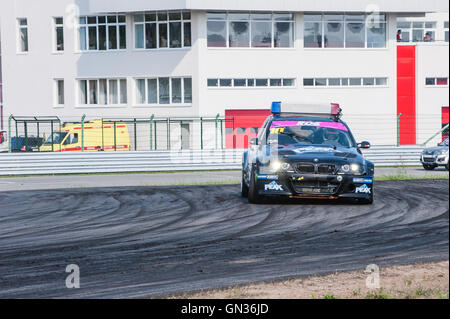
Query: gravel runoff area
<point x="419" y="281"/>
<point x="176" y="178"/>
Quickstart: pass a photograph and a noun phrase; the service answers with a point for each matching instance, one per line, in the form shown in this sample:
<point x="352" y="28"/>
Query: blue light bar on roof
<point x="276" y="108"/>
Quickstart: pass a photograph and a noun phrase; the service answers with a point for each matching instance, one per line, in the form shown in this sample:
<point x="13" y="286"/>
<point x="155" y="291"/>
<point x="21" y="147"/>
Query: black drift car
<point x="306" y="155"/>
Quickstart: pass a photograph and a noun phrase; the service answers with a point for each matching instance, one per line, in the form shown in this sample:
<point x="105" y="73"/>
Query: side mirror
<point x="364" y="144"/>
<point x="254" y="141"/>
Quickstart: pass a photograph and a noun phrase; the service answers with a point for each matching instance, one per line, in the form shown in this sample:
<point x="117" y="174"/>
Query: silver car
<point x="435" y="156"/>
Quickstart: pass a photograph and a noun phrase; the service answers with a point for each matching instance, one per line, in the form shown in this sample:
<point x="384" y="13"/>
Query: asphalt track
<point x="159" y="241"/>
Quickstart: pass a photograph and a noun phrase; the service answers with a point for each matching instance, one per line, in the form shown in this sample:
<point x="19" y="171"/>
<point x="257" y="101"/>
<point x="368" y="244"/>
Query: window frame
<point x="98" y="105"/>
<point x="19" y="28"/>
<point x="86" y="25"/>
<point x="435" y="82"/>
<point x="348" y="80"/>
<point x="413" y="28"/>
<point x="253" y="80"/>
<point x="250" y="21"/>
<point x="344" y="22"/>
<point x="56" y="93"/>
<point x="157" y="22"/>
<point x="158" y="104"/>
<point x="55" y="36"/>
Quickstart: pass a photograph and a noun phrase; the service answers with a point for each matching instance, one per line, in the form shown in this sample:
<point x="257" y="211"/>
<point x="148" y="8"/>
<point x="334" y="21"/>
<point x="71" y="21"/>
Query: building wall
<point x="431" y="99"/>
<point x="370" y="112"/>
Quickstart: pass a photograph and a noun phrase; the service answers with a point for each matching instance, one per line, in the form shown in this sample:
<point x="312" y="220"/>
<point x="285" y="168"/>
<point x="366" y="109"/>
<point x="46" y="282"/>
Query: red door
<point x="445" y="121"/>
<point x="242" y="125"/>
<point x="406" y="93"/>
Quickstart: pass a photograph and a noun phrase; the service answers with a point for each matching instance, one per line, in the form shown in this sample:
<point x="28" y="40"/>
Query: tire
<point x="253" y="196"/>
<point x="244" y="187"/>
<point x="428" y="167"/>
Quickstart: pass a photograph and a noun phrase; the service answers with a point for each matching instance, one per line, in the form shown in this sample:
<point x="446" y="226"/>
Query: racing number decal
<point x="276" y="130"/>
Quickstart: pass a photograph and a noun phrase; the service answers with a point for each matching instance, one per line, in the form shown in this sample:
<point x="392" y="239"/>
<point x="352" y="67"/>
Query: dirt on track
<point x="160" y="241"/>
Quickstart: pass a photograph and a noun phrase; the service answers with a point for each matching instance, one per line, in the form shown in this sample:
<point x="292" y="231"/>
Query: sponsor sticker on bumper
<point x="364" y="189"/>
<point x="363" y="180"/>
<point x="274" y="186"/>
<point x="274" y="177"/>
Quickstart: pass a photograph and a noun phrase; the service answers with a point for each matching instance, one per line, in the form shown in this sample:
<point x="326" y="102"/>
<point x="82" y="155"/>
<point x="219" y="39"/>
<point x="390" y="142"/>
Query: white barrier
<point x="116" y="162"/>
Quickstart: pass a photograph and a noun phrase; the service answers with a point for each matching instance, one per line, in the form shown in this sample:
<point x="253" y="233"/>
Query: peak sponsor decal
<point x="363" y="189"/>
<point x="274" y="186"/>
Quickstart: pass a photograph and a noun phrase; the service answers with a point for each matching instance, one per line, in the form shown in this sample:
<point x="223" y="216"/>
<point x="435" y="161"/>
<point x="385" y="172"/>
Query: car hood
<point x="321" y="153"/>
<point x="433" y="150"/>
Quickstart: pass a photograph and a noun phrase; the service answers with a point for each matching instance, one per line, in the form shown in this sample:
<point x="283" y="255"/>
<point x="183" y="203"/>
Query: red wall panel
<point x="239" y="126"/>
<point x="406" y="92"/>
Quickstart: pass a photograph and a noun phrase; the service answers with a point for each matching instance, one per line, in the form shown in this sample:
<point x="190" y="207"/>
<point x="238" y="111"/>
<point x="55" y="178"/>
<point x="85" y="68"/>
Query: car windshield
<point x="444" y="142"/>
<point x="56" y="138"/>
<point x="310" y="133"/>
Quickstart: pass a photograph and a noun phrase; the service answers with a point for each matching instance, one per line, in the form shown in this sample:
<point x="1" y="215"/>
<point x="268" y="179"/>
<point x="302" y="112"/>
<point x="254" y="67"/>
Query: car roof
<point x="305" y="118"/>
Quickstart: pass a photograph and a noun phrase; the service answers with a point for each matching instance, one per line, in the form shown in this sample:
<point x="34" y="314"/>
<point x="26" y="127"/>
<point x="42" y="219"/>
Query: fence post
<point x="82" y="132"/>
<point x="9" y="133"/>
<point x="168" y="133"/>
<point x="221" y="133"/>
<point x="53" y="136"/>
<point x="151" y="132"/>
<point x="135" y="135"/>
<point x="217" y="119"/>
<point x="115" y="137"/>
<point x="398" y="129"/>
<point x="439" y="132"/>
<point x="201" y="133"/>
<point x="25" y="130"/>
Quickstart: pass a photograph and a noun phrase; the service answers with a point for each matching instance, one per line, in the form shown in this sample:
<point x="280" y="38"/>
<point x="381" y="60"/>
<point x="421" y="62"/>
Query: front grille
<point x="428" y="159"/>
<point x="305" y="168"/>
<point x="326" y="169"/>
<point x="315" y="187"/>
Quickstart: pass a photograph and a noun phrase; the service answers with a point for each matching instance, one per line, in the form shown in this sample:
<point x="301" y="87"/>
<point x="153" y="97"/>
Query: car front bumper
<point x="434" y="159"/>
<point x="315" y="185"/>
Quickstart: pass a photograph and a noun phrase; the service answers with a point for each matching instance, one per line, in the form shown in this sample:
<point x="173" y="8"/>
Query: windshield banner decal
<point x="338" y="126"/>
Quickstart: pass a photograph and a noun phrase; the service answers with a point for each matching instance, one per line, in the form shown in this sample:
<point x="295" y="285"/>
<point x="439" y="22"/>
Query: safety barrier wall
<point x="153" y="161"/>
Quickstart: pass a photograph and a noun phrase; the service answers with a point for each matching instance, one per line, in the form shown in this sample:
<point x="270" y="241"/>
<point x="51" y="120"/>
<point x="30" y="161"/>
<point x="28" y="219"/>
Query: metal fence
<point x="27" y="134"/>
<point x="181" y="160"/>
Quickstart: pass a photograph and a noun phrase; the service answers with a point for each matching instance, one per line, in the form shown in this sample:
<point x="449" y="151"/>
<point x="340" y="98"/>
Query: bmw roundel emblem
<point x="316" y="160"/>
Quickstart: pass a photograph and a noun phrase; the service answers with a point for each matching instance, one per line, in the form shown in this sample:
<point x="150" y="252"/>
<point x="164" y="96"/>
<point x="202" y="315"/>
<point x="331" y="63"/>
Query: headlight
<point x="276" y="166"/>
<point x="345" y="168"/>
<point x="354" y="169"/>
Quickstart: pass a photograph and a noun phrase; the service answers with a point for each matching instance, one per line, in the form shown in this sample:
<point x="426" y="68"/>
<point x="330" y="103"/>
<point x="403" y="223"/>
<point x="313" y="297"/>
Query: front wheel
<point x="428" y="167"/>
<point x="253" y="196"/>
<point x="244" y="187"/>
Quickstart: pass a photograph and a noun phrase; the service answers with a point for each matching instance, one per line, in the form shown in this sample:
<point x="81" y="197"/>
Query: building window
<point x="417" y="31"/>
<point x="446" y="31"/>
<point x="259" y="82"/>
<point x="98" y="92"/>
<point x="155" y="30"/>
<point x="245" y="29"/>
<point x="337" y="82"/>
<point x="59" y="33"/>
<point x="102" y="33"/>
<point x="344" y="31"/>
<point x="59" y="92"/>
<point x="442" y="81"/>
<point x="23" y="34"/>
<point x="164" y="91"/>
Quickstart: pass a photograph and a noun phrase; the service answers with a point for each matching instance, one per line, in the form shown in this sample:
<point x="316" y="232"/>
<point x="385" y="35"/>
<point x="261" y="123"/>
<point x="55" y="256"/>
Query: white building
<point x="199" y="58"/>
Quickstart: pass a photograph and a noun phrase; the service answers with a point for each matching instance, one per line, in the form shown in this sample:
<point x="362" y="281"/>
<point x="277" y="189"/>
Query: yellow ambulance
<point x="98" y="136"/>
